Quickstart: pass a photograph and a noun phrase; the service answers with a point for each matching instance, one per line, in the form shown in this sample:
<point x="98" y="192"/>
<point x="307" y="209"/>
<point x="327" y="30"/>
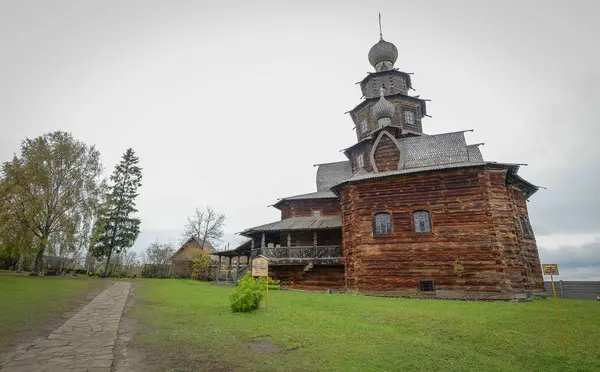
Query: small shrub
<point x="247" y="295"/>
<point x="273" y="284"/>
<point x="201" y="266"/>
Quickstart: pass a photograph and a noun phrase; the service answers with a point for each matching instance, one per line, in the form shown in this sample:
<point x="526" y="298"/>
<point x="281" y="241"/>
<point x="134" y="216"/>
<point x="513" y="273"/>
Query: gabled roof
<point x="474" y="153"/>
<point x="435" y="149"/>
<point x="241" y="250"/>
<point x="432" y="150"/>
<point x="197" y="240"/>
<point x="297" y="224"/>
<point x="330" y="174"/>
<point x="207" y="247"/>
<point x="310" y="196"/>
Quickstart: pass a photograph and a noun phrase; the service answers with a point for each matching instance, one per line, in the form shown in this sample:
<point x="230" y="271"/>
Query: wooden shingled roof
<point x="297" y="224"/>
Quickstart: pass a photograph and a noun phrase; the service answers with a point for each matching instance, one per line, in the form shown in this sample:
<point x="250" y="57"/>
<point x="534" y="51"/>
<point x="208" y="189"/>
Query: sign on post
<point x="552" y="269"/>
<point x="260" y="267"/>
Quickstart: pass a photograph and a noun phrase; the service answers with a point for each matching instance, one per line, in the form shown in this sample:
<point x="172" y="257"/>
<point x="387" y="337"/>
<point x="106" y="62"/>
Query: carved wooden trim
<point x="376" y="144"/>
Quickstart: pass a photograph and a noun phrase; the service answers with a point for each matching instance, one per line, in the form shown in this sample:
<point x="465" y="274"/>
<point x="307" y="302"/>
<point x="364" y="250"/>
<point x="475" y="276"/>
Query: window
<point x="382" y="224"/>
<point x="426" y="286"/>
<point x="363" y="126"/>
<point x="360" y="160"/>
<point x="317" y="213"/>
<point x="422" y="221"/>
<point x="409" y="117"/>
<point x="525" y="227"/>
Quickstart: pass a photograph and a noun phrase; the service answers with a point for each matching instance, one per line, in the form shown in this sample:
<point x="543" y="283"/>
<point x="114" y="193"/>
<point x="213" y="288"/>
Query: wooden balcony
<point x="329" y="254"/>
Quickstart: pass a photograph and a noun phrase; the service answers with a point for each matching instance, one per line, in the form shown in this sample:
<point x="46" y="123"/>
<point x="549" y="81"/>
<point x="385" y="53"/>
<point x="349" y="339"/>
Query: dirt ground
<point x="131" y="356"/>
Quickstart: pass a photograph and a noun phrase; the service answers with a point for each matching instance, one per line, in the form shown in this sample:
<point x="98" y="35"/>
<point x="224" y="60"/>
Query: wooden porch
<point x="300" y="255"/>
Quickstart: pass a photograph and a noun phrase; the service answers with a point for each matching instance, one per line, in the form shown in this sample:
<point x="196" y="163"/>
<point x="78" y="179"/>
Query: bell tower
<point x="391" y="84"/>
<point x="386" y="107"/>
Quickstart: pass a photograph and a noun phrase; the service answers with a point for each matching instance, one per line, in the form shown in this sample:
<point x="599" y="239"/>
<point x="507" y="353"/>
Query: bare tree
<point x="206" y="225"/>
<point x="159" y="253"/>
<point x="129" y="258"/>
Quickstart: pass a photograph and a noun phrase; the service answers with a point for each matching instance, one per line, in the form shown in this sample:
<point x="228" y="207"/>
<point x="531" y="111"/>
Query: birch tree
<point x="54" y="179"/>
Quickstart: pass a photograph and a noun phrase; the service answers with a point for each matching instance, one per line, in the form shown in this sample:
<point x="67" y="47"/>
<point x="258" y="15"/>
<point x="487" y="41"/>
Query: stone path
<point x="83" y="343"/>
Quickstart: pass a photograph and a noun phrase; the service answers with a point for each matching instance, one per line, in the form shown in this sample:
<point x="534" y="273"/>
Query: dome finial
<point x="384" y="54"/>
<point x="383" y="110"/>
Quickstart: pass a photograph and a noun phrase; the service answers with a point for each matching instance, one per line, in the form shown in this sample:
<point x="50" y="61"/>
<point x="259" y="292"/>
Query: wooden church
<point x="408" y="214"/>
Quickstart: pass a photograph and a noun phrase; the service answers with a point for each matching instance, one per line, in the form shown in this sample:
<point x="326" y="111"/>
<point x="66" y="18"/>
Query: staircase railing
<point x="242" y="271"/>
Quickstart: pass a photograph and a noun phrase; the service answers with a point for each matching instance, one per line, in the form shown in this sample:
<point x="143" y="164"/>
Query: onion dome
<point x="383" y="109"/>
<point x="383" y="51"/>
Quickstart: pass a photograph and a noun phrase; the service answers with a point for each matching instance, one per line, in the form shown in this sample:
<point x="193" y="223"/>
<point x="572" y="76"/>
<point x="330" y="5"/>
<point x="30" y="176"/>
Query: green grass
<point x="28" y="301"/>
<point x="357" y="333"/>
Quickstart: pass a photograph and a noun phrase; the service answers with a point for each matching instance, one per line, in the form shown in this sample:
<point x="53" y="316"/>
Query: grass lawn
<point x="356" y="333"/>
<point x="28" y="302"/>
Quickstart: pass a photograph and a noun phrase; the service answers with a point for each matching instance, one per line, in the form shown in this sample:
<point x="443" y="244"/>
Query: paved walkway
<point x="83" y="343"/>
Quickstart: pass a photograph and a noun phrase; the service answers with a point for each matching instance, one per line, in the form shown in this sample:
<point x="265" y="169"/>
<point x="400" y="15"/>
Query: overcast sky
<point x="231" y="103"/>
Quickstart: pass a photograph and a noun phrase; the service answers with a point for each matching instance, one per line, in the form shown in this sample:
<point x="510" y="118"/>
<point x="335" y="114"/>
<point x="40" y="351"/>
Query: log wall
<point x="472" y="250"/>
<point x="305" y="208"/>
<point x="317" y="278"/>
<point x="529" y="251"/>
<point x="386" y="154"/>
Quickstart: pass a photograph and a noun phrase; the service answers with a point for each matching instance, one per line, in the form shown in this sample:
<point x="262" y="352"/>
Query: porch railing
<point x="318" y="252"/>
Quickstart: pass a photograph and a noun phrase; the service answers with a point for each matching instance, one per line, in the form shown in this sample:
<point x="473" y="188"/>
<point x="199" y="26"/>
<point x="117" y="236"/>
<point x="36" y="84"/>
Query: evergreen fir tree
<point x="116" y="228"/>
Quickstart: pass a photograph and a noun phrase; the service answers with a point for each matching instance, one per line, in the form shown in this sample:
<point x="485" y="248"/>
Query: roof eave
<point x="335" y="188"/>
<point x="394" y="71"/>
<point x="422" y="102"/>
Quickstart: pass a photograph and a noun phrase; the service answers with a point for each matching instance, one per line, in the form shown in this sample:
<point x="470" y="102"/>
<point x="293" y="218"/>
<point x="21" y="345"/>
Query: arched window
<point x="382" y="224"/>
<point x="422" y="221"/>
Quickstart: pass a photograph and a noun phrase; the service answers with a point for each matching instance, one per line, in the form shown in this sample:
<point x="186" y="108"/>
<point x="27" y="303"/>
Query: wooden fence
<point x="583" y="290"/>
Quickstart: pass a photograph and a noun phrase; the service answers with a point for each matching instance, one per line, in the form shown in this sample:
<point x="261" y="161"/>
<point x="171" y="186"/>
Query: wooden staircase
<point x="242" y="271"/>
<point x="307" y="268"/>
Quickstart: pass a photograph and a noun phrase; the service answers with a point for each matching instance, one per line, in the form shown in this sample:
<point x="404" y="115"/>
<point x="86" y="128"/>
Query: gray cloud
<point x="573" y="257"/>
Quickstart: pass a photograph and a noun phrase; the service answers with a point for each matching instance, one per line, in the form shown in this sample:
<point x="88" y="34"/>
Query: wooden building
<point x="181" y="261"/>
<point x="408" y="213"/>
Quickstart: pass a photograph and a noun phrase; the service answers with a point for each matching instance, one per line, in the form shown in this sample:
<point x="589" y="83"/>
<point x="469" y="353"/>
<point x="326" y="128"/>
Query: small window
<point x="360" y="160"/>
<point x="426" y="286"/>
<point x="422" y="222"/>
<point x="409" y="117"/>
<point x="363" y="126"/>
<point x="525" y="227"/>
<point x="382" y="224"/>
<point x="317" y="213"/>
